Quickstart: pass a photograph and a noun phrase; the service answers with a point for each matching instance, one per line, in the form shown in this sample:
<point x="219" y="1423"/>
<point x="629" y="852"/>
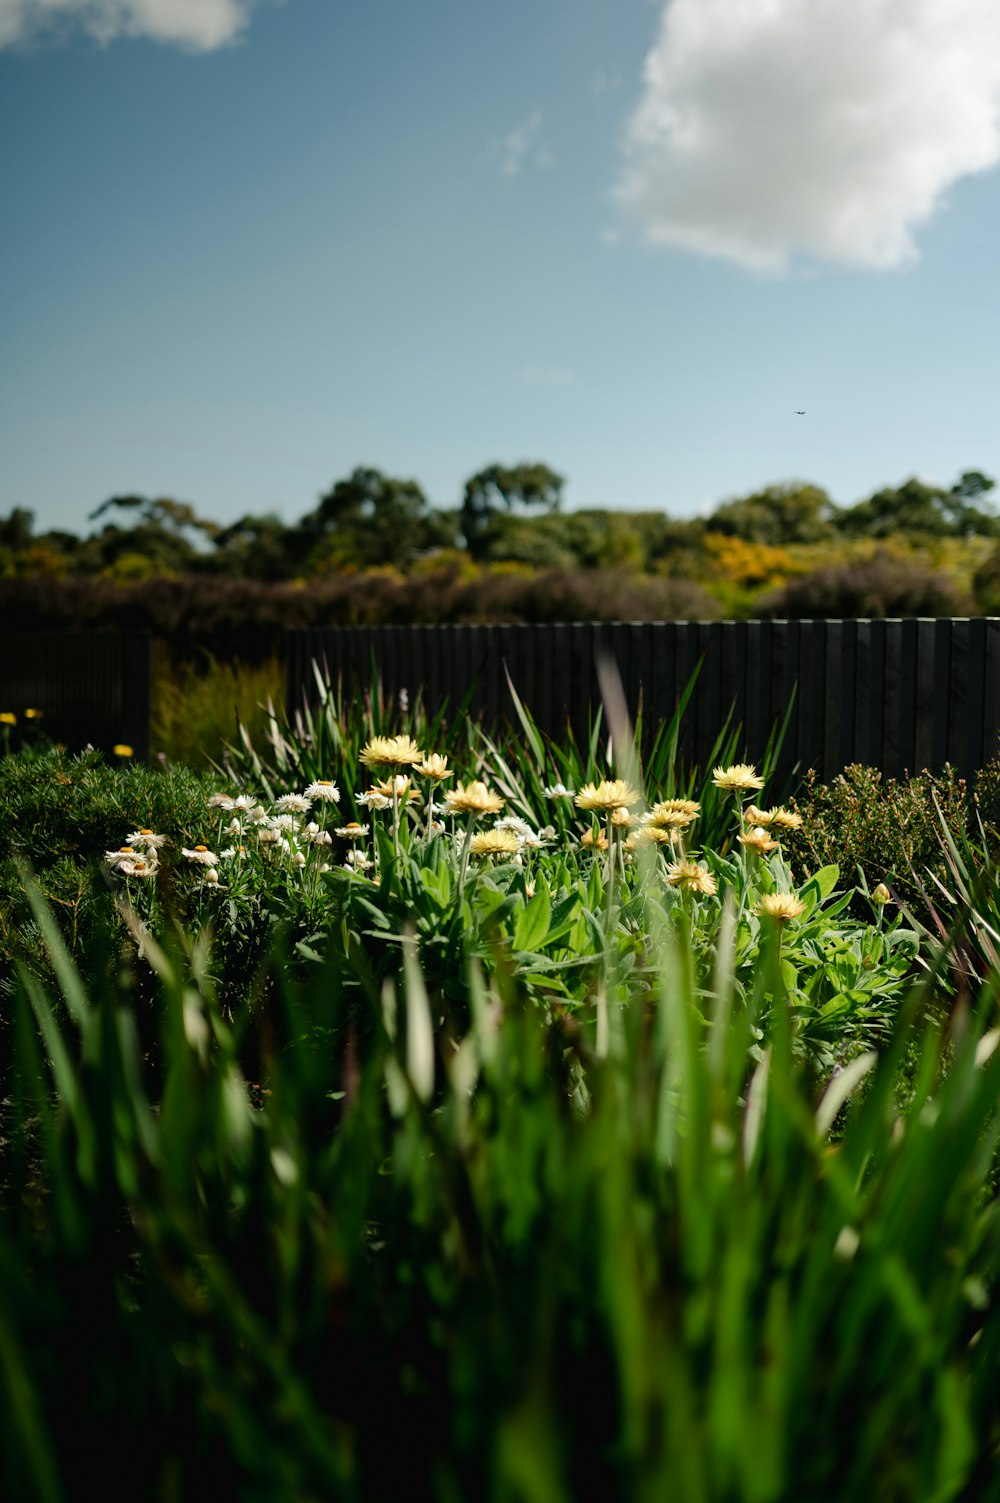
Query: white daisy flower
<point x="267" y="836"/>
<point x="292" y="803"/>
<point x="145" y="839"/>
<point x="234" y="827"/>
<point x="283" y="822"/>
<point x="221" y="801"/>
<point x="324" y="790"/>
<point x="124" y="853"/>
<point x="298" y="857"/>
<point x="211" y="876"/>
<point x="243" y="801"/>
<point x="258" y="815"/>
<point x="374" y="800"/>
<point x="357" y="861"/>
<point x="137" y="867"/>
<point x="202" y="854"/>
<point x="558" y="790"/>
<point x="227" y="853"/>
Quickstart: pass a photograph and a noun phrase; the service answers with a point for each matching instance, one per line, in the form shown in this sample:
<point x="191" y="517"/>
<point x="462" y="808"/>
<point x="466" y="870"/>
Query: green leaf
<point x="821" y="884"/>
<point x="532" y="927"/>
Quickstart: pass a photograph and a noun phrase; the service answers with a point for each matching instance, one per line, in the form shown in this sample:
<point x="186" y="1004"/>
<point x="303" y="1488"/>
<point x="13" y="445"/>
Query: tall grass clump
<point x="197" y="707"/>
<point x="467" y="1239"/>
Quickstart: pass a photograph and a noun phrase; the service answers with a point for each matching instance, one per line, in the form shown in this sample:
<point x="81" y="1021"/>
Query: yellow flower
<point x="691" y="877"/>
<point x="121" y="749"/>
<point x="621" y="818"/>
<point x="786" y="819"/>
<point x="494" y="843"/>
<point x="7" y="717"/>
<point x="672" y="811"/>
<point x="391" y="751"/>
<point x="594" y="840"/>
<point x="761" y="818"/>
<point x="607" y="796"/>
<point x="758" y="840"/>
<point x="434" y="766"/>
<point x="400" y="785"/>
<point x="740" y="778"/>
<point x="781" y="906"/>
<point x="33" y="714"/>
<point x="881" y="895"/>
<point x="472" y="798"/>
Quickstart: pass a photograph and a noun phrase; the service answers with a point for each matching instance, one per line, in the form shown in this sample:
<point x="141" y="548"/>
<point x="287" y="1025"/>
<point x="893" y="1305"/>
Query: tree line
<point x="509" y="514"/>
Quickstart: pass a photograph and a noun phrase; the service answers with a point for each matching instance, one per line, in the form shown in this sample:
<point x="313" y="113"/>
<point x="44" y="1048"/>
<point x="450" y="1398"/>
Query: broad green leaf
<point x="531" y="929"/>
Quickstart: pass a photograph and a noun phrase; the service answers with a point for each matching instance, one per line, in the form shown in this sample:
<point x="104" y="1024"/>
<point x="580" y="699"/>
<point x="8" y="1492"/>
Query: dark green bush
<point x="889" y="828"/>
<point x="881" y="586"/>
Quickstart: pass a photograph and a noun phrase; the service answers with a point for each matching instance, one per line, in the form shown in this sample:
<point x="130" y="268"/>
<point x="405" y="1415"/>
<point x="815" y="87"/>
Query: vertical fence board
<point x="973" y="756"/>
<point x="955" y="690"/>
<point x="894" y="694"/>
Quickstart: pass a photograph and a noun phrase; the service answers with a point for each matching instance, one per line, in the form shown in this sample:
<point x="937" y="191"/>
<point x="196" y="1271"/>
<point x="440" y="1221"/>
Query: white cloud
<point x="197" y="25"/>
<point x="829" y="128"/>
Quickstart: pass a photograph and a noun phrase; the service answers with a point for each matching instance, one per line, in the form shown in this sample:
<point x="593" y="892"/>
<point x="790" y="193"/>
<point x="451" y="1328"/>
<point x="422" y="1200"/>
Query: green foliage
<point x="881" y="586"/>
<point x="777" y="515"/>
<point x="197" y="708"/>
<point x="472" y="1240"/>
<point x="495" y="490"/>
<point x="915" y="508"/>
<point x="888" y="829"/>
<point x="370" y="520"/>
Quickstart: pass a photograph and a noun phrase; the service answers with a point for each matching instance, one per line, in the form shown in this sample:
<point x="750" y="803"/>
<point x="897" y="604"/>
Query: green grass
<point x="196" y="708"/>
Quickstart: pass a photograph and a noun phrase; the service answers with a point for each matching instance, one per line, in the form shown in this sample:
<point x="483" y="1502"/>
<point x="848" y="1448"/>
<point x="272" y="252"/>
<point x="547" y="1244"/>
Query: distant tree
<point x="255" y="548"/>
<point x="794" y="512"/>
<point x="16" y="530"/>
<point x="918" y="509"/>
<point x="498" y="489"/>
<point x="172" y="516"/>
<point x="372" y="519"/>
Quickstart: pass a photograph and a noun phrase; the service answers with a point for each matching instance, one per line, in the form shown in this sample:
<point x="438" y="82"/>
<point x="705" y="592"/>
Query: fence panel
<point x="898" y="695"/>
<point x="91" y="687"/>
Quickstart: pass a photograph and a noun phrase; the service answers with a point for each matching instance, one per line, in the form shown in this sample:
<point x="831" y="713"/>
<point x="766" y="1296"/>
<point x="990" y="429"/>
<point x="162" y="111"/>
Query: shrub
<point x="889" y="829"/>
<point x="883" y="585"/>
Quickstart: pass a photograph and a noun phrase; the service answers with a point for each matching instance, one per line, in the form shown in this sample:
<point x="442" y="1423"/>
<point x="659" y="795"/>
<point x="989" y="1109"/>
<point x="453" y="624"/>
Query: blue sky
<point x="247" y="248"/>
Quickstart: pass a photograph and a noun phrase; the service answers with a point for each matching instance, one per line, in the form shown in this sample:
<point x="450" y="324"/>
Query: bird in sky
<point x="800" y="412"/>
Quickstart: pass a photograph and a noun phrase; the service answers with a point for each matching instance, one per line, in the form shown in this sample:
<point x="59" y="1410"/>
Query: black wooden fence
<point x="90" y="686"/>
<point x="899" y="695"/>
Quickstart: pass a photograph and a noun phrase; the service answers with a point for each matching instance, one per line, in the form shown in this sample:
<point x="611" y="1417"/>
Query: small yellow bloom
<point x="121" y="749"/>
<point x="740" y="778"/>
<point x="881" y="895"/>
<point x="781" y="906"/>
<point x="691" y="877"/>
<point x="400" y="785"/>
<point x="7" y="717"/>
<point x="676" y="813"/>
<point x="607" y="796"/>
<point x="472" y="798"/>
<point x="494" y="843"/>
<point x="621" y="818"/>
<point x="760" y="818"/>
<point x="595" y="840"/>
<point x="33" y="714"/>
<point x="786" y="819"/>
<point x="434" y="766"/>
<point x="391" y="751"/>
<point x="758" y="840"/>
